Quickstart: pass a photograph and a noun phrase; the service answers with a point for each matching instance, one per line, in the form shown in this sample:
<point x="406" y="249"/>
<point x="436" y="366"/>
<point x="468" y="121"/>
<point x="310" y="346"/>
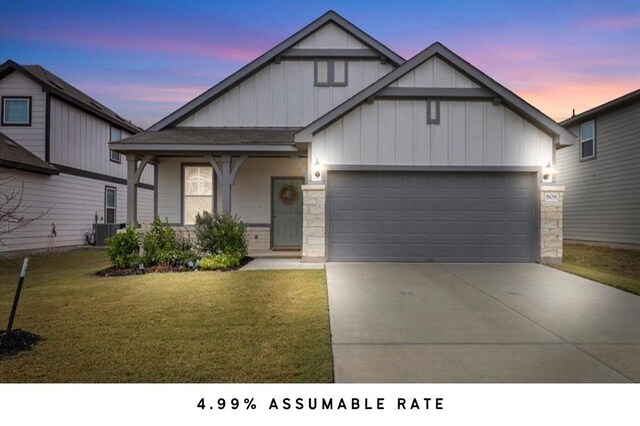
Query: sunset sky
<point x="144" y="59"/>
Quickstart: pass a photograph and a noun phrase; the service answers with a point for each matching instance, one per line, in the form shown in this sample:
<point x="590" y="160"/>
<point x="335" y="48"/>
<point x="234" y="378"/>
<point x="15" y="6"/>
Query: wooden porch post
<point x="132" y="191"/>
<point x="134" y="172"/>
<point x="227" y="175"/>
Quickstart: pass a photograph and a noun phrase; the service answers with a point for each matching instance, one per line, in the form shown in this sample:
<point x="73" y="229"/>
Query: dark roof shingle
<point x="213" y="136"/>
<point x="13" y="155"/>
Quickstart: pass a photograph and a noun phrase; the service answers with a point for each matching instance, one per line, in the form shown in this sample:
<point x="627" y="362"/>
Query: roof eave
<point x="124" y="148"/>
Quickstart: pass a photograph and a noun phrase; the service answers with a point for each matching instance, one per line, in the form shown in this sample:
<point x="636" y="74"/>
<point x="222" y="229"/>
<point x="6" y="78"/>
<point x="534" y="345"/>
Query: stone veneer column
<point x="313" y="223"/>
<point x="551" y="223"/>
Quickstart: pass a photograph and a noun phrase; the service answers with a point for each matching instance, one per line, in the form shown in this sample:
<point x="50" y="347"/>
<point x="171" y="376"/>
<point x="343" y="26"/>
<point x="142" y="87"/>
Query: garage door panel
<point x="430" y="216"/>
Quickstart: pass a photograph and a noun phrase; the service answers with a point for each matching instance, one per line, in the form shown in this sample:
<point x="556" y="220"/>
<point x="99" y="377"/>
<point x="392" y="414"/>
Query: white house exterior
<point x="332" y="144"/>
<point x="78" y="179"/>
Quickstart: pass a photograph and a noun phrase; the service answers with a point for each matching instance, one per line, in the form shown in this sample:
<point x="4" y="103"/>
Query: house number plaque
<point x="551" y="196"/>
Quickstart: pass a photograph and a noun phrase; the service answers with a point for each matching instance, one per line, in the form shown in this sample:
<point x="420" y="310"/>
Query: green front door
<point x="286" y="211"/>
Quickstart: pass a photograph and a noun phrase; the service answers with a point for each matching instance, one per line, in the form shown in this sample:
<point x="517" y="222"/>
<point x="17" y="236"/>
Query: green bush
<point x="123" y="249"/>
<point x="185" y="251"/>
<point x="159" y="244"/>
<point x="162" y="245"/>
<point x="218" y="234"/>
<point x="219" y="261"/>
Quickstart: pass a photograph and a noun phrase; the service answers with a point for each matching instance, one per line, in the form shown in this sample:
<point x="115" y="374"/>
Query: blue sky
<point x="146" y="58"/>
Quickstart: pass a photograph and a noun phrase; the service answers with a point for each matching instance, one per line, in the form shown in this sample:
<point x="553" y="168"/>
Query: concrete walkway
<point x="275" y="263"/>
<point x="479" y="323"/>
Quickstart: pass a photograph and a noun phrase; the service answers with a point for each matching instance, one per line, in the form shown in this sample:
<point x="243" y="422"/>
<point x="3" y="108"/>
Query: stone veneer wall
<point x="551" y="198"/>
<point x="258" y="238"/>
<point x="313" y="223"/>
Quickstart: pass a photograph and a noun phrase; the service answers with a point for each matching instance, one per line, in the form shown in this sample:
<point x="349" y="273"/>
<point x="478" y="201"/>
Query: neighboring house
<point x="333" y="144"/>
<point x="602" y="174"/>
<point x="55" y="153"/>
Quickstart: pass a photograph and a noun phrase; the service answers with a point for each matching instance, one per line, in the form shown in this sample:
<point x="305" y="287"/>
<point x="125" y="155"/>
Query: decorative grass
<point x="258" y="326"/>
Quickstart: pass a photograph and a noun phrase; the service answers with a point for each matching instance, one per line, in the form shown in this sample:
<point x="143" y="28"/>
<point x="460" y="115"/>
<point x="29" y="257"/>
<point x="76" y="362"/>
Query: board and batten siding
<point x="283" y="95"/>
<point x="602" y="196"/>
<point x="250" y="194"/>
<point x="395" y="132"/>
<point x="81" y="140"/>
<point x="330" y="36"/>
<point x="71" y="203"/>
<point x="434" y="73"/>
<point x="31" y="137"/>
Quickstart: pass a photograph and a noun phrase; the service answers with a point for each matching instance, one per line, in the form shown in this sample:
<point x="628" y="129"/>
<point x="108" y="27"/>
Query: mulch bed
<point x="115" y="272"/>
<point x="17" y="341"/>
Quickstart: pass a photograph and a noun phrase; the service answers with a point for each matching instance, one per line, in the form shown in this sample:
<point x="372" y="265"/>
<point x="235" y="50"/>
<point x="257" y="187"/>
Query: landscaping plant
<point x="123" y="249"/>
<point x="221" y="261"/>
<point x="160" y="244"/>
<point x="221" y="234"/>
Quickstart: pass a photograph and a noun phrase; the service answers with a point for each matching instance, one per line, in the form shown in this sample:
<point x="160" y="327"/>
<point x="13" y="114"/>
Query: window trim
<point x="330" y="72"/>
<point x="111" y="152"/>
<point x="581" y="141"/>
<point x="436" y="119"/>
<point x="108" y="188"/>
<point x="4" y="123"/>
<point x="214" y="195"/>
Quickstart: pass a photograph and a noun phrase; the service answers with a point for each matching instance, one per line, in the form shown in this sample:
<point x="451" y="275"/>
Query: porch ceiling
<point x="190" y="139"/>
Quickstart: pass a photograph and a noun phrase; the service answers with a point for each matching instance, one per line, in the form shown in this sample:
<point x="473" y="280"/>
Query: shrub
<point x="219" y="261"/>
<point x="162" y="245"/>
<point x="123" y="249"/>
<point x="159" y="244"/>
<point x="224" y="233"/>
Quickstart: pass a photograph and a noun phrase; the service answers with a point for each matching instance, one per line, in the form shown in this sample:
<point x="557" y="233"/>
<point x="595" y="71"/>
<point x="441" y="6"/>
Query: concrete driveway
<point x="479" y="323"/>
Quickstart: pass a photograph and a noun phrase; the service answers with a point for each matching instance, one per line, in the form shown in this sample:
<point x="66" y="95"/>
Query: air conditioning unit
<point x="104" y="231"/>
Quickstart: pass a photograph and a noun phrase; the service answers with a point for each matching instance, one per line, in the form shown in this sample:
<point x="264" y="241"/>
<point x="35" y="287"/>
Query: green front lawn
<point x="261" y="326"/>
<point x="615" y="267"/>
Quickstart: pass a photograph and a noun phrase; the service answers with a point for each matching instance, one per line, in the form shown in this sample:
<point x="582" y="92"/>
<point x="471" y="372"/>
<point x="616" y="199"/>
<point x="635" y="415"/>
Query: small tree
<point x="14" y="215"/>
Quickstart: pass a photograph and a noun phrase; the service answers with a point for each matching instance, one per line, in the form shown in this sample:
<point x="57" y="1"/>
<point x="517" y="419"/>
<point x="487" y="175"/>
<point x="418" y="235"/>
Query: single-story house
<point x="332" y="144"/>
<point x="601" y="174"/>
<point x="56" y="169"/>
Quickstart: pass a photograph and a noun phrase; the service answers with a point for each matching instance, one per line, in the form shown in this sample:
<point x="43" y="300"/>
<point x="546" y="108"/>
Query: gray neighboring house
<point x="601" y="174"/>
<point x="332" y="144"/>
<point x="54" y="152"/>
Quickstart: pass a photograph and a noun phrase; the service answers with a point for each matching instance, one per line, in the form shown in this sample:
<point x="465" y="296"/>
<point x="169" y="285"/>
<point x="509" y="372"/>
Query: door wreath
<point x="289" y="194"/>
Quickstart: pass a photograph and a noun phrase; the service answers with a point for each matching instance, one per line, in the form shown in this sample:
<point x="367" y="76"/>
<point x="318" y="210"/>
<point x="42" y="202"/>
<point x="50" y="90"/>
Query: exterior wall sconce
<point x="317" y="171"/>
<point x="547" y="173"/>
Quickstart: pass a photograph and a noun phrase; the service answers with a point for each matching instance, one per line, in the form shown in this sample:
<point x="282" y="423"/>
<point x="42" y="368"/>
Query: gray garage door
<point x="431" y="216"/>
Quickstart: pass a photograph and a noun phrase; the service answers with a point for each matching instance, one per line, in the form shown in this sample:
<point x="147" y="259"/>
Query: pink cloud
<point x="614" y="22"/>
<point x="145" y="93"/>
<point x="142" y="44"/>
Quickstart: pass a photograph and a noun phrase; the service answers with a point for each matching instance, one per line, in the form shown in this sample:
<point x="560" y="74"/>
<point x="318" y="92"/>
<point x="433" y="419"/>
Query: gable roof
<point x="15" y="156"/>
<point x="604" y="108"/>
<point x="561" y="135"/>
<point x="68" y="93"/>
<point x="269" y="56"/>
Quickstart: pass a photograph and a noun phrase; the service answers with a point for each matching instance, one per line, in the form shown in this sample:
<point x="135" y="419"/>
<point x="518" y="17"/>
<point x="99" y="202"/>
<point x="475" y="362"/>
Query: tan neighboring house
<point x="54" y="152"/>
<point x="332" y="144"/>
<point x="602" y="174"/>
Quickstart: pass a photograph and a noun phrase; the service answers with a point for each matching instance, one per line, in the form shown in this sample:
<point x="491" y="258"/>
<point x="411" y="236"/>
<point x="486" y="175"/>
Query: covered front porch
<point x="256" y="175"/>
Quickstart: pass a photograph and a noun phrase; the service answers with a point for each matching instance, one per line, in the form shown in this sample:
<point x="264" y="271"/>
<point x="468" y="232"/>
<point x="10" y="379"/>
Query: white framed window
<point x="331" y="72"/>
<point x="588" y="140"/>
<point x="16" y="110"/>
<point x="116" y="135"/>
<point x="197" y="192"/>
<point x="110" y="201"/>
